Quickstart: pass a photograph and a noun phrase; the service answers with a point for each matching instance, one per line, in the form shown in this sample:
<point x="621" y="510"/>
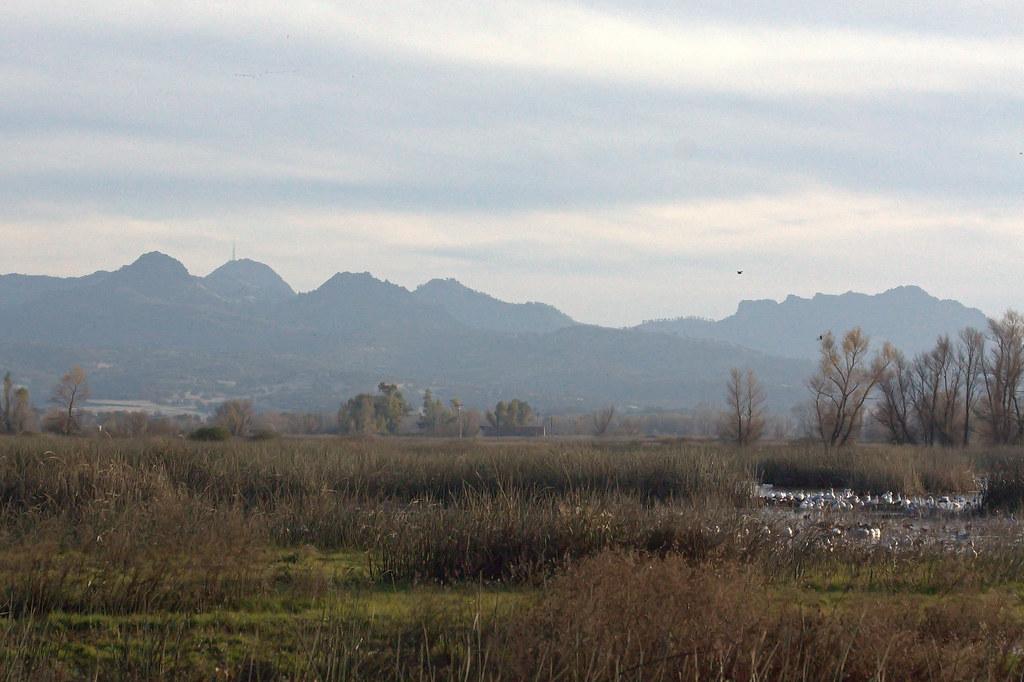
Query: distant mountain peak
<point x="348" y="276"/>
<point x="452" y="285"/>
<point x="157" y="262"/>
<point x="359" y="280"/>
<point x="248" y="280"/>
<point x="483" y="311"/>
<point x="152" y="273"/>
<point x="912" y="293"/>
<point x="908" y="289"/>
<point x="905" y="292"/>
<point x="243" y="264"/>
<point x="359" y="288"/>
<point x="908" y="316"/>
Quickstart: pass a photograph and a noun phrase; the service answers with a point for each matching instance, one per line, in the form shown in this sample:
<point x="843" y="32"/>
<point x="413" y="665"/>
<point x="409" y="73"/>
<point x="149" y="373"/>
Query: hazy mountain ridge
<point x="248" y="280"/>
<point x="18" y="288"/>
<point x="150" y="330"/>
<point x="477" y="309"/>
<point x="907" y="316"/>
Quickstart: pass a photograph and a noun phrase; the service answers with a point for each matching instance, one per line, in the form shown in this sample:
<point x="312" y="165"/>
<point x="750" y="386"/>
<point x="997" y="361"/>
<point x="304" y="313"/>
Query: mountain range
<point x="906" y="316"/>
<point x="152" y="331"/>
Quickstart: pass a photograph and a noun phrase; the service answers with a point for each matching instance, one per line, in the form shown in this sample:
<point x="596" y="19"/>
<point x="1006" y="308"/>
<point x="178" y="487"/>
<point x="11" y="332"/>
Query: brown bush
<point x="625" y="617"/>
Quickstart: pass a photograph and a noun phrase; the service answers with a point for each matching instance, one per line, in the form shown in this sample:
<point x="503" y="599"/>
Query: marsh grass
<point x="615" y="616"/>
<point x="63" y="474"/>
<point x="170" y="559"/>
<point x="1003" y="486"/>
<point x="868" y="469"/>
<point x="524" y="538"/>
<point x="422" y="635"/>
<point x="626" y="617"/>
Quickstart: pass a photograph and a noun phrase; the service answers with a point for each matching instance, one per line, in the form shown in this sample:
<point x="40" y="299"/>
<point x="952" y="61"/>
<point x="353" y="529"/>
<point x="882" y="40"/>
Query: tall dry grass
<point x="65" y="474"/>
<point x="437" y="512"/>
<point x="611" y="617"/>
<point x="131" y="526"/>
<point x="621" y="617"/>
<point x="868" y="469"/>
<point x="651" y="562"/>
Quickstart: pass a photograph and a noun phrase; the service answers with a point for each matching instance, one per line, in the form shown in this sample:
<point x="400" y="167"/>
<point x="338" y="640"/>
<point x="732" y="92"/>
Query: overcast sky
<point x="620" y="160"/>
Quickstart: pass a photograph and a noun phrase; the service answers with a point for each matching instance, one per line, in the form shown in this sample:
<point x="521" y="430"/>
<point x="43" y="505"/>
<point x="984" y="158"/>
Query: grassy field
<point x="330" y="559"/>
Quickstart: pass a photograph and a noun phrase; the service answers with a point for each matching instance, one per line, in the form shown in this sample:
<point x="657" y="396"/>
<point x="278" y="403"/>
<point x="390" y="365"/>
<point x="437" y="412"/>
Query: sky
<point x="620" y="160"/>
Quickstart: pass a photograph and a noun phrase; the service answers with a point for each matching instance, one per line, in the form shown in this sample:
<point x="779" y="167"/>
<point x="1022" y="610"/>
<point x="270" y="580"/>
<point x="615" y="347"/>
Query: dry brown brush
<point x="623" y="617"/>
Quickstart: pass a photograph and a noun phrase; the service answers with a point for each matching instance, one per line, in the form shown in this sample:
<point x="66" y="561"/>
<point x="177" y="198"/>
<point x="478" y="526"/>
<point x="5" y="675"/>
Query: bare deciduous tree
<point x="125" y="424"/>
<point x="457" y="409"/>
<point x="68" y="394"/>
<point x="845" y="379"/>
<point x="602" y="420"/>
<point x="937" y="407"/>
<point x="1002" y="371"/>
<point x="8" y="406"/>
<point x="237" y="416"/>
<point x="932" y="399"/>
<point x="970" y="357"/>
<point x="894" y="410"/>
<point x="22" y="416"/>
<point x="743" y="422"/>
<point x="630" y="426"/>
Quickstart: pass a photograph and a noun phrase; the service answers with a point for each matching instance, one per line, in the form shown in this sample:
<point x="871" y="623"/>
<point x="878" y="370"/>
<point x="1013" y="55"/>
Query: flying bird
<point x="739" y="272"/>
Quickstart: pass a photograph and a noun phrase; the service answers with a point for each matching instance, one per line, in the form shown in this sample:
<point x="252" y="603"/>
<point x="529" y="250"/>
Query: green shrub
<point x="210" y="433"/>
<point x="264" y="434"/>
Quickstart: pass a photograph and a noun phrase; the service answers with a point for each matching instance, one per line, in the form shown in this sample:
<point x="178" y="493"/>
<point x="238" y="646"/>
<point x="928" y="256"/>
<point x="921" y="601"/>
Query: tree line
<point x="965" y="386"/>
<point x="386" y="412"/>
<point x="17" y="415"/>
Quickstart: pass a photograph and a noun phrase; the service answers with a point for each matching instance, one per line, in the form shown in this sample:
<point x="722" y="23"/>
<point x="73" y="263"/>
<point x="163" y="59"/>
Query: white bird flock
<point x="846" y="500"/>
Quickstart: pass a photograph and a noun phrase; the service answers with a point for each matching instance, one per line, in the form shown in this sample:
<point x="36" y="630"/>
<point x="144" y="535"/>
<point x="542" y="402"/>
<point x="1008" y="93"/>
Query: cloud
<point x="620" y="160"/>
<point x="142" y="105"/>
<point x="613" y="267"/>
<point x="713" y="53"/>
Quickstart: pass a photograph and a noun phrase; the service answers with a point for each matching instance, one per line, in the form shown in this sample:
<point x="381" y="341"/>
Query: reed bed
<point x="1003" y="489"/>
<point x="869" y="469"/>
<point x="61" y="474"/>
<point x="611" y="617"/>
<point x="637" y="560"/>
<point x="619" y="617"/>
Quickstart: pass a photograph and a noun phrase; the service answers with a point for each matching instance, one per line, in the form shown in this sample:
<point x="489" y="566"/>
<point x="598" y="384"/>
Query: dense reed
<point x="130" y="558"/>
<point x="868" y="469"/>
